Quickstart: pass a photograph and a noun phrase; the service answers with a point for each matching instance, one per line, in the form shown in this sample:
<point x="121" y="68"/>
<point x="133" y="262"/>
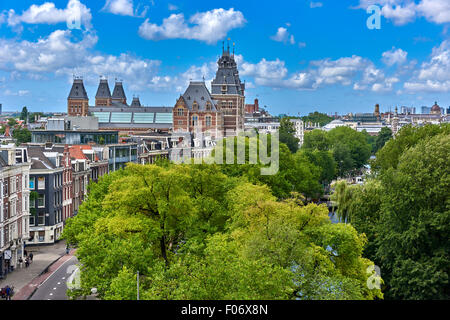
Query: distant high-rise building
<point x="426" y="110"/>
<point x="0" y="108"/>
<point x="407" y="110"/>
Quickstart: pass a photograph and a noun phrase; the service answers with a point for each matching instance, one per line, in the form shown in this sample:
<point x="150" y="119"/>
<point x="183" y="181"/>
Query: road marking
<point x="54" y="288"/>
<point x="55" y="271"/>
<point x="59" y="282"/>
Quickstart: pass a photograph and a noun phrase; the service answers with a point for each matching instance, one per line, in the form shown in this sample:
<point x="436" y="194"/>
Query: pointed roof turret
<point x="118" y="93"/>
<point x="227" y="77"/>
<point x="136" y="102"/>
<point x="78" y="91"/>
<point x="103" y="90"/>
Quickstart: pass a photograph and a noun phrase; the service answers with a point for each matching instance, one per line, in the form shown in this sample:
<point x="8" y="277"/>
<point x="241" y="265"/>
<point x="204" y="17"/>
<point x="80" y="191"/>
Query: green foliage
<point x="12" y="122"/>
<point x="351" y="149"/>
<point x="404" y="212"/>
<point x="22" y="135"/>
<point x="384" y="136"/>
<point x="287" y="131"/>
<point x="24" y="114"/>
<point x="195" y="233"/>
<point x="406" y="138"/>
<point x="317" y="117"/>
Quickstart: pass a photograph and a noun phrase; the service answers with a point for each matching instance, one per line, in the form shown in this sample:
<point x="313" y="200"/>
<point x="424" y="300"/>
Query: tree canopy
<point x="194" y="233"/>
<point x="404" y="212"/>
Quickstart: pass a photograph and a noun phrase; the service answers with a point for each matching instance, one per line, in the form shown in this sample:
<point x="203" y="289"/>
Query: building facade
<point x="14" y="206"/>
<point x="229" y="92"/>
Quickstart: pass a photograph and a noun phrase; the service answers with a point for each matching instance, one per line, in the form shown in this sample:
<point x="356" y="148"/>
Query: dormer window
<point x="208" y="106"/>
<point x="224" y="88"/>
<point x="195" y="105"/>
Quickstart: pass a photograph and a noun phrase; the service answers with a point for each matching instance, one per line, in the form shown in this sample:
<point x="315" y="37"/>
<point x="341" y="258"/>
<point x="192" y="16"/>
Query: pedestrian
<point x="67" y="250"/>
<point x="8" y="293"/>
<point x="20" y="262"/>
<point x="31" y="256"/>
<point x="27" y="262"/>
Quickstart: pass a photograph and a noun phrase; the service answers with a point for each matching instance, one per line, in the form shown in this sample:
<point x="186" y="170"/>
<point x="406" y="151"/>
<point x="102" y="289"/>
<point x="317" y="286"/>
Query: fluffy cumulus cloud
<point x="346" y="71"/>
<point x="124" y="8"/>
<point x="405" y="11"/>
<point x="433" y="75"/>
<point x="209" y="26"/>
<point x="59" y="55"/>
<point x="283" y="35"/>
<point x="47" y="13"/>
<point x="121" y="7"/>
<point x="395" y="56"/>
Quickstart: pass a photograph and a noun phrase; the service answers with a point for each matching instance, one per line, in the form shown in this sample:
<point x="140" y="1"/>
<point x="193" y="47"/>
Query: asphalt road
<point x="55" y="287"/>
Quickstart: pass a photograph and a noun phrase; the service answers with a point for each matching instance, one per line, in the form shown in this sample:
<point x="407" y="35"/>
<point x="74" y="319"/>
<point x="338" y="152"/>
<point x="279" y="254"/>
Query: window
<point x="180" y="122"/>
<point x="41" y="183"/>
<point x="41" y="219"/>
<point x="194" y="120"/>
<point x="180" y="111"/>
<point x="41" y="200"/>
<point x="230" y="104"/>
<point x="208" y="121"/>
<point x="195" y="105"/>
<point x="41" y="236"/>
<point x="208" y="106"/>
<point x="32" y="203"/>
<point x="32" y="221"/>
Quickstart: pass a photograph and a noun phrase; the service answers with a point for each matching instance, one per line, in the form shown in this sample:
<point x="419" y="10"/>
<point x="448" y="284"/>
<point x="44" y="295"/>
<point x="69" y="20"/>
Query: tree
<point x="194" y="233"/>
<point x="22" y="135"/>
<point x="287" y="131"/>
<point x="343" y="157"/>
<point x="407" y="137"/>
<point x="12" y="122"/>
<point x="317" y="117"/>
<point x="317" y="139"/>
<point x="404" y="213"/>
<point x="384" y="136"/>
<point x="413" y="246"/>
<point x="24" y="114"/>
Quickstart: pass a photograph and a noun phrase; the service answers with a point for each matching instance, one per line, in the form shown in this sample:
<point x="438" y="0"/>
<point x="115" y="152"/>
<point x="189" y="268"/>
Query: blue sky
<point x="295" y="56"/>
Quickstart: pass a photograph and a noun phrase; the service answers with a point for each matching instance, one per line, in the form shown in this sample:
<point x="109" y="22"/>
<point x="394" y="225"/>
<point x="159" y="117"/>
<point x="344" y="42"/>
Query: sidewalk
<point x="43" y="256"/>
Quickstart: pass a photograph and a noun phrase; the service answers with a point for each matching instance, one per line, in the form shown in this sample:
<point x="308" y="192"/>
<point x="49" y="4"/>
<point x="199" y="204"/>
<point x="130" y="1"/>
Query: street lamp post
<point x="138" y="285"/>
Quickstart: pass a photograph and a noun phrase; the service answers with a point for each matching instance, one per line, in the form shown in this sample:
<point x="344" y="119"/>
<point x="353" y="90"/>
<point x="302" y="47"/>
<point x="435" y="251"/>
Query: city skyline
<point x="293" y="63"/>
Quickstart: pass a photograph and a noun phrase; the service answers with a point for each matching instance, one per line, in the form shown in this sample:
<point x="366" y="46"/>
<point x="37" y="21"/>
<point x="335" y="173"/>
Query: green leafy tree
<point x="12" y="122"/>
<point x="317" y="139"/>
<point x="384" y="136"/>
<point x="317" y="117"/>
<point x="413" y="245"/>
<point x="22" y="135"/>
<point x="287" y="131"/>
<point x="194" y="233"/>
<point x="404" y="213"/>
<point x="24" y="114"/>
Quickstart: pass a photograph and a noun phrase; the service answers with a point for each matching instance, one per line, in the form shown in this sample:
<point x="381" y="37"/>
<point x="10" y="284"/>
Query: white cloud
<point x="283" y="35"/>
<point x="121" y="7"/>
<point x="19" y="93"/>
<point x="209" y="26"/>
<point x="315" y="4"/>
<point x="394" y="56"/>
<point x="47" y="13"/>
<point x="405" y="11"/>
<point x="172" y="7"/>
<point x="433" y="75"/>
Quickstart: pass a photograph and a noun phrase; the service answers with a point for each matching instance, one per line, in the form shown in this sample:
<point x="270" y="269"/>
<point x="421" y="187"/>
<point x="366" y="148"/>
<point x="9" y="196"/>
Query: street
<point x="55" y="287"/>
